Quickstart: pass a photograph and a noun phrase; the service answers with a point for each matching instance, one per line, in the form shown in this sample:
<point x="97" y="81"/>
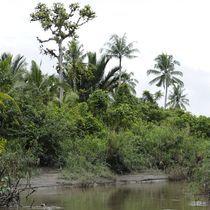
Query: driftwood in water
<point x="10" y="191"/>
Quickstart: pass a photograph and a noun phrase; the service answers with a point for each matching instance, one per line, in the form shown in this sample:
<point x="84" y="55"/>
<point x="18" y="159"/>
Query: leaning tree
<point x="62" y="24"/>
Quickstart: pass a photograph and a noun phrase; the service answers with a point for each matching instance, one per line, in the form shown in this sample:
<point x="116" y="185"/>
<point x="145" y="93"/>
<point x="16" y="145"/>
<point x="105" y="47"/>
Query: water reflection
<point x="118" y="199"/>
<point x="153" y="196"/>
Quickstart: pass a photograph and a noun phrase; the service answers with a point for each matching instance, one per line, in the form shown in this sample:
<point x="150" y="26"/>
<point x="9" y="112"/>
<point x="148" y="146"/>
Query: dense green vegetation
<point x="88" y="120"/>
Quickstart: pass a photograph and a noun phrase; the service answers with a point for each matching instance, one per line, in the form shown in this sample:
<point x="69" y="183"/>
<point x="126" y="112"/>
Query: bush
<point x="98" y="103"/>
<point x="121" y="117"/>
<point x="85" y="157"/>
<point x="168" y="148"/>
<point x="122" y="155"/>
<point x="9" y="113"/>
<point x="17" y="162"/>
<point x="151" y="146"/>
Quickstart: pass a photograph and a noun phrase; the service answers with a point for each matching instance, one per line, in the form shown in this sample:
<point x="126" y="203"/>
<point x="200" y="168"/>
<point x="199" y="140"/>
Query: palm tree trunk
<point x="74" y="85"/>
<point x="166" y="96"/>
<point x="74" y="78"/>
<point x="120" y="70"/>
<point x="60" y="64"/>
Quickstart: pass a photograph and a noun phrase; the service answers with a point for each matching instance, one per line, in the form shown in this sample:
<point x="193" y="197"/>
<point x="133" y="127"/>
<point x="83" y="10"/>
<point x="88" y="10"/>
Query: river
<point x="146" y="196"/>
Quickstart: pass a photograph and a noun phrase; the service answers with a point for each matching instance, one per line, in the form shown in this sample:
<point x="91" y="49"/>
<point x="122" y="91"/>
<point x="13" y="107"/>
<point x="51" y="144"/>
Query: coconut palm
<point x="165" y="73"/>
<point x="118" y="47"/>
<point x="177" y="98"/>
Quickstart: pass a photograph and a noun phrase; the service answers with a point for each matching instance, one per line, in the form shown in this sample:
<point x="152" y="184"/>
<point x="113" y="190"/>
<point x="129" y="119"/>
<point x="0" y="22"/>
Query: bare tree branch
<point x="47" y="40"/>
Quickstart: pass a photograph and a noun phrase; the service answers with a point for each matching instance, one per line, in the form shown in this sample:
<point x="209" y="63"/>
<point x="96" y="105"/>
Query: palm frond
<point x="178" y="73"/>
<point x="156" y="80"/>
<point x="153" y="71"/>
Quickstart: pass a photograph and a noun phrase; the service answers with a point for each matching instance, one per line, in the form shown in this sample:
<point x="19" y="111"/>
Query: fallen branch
<point x="10" y="191"/>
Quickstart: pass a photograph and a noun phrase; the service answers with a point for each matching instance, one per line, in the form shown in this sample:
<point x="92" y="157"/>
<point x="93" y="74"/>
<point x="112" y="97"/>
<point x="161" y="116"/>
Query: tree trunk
<point x="166" y="96"/>
<point x="74" y="78"/>
<point x="120" y="70"/>
<point x="60" y="65"/>
<point x="74" y="85"/>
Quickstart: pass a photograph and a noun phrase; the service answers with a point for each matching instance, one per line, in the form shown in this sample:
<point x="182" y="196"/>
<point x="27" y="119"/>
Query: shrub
<point x="123" y="155"/>
<point x="121" y="117"/>
<point x="17" y="162"/>
<point x="85" y="157"/>
<point x="98" y="103"/>
<point x="167" y="148"/>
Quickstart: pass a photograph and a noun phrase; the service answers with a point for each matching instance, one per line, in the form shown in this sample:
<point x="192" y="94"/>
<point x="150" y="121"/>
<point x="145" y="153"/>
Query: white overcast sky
<point x="177" y="27"/>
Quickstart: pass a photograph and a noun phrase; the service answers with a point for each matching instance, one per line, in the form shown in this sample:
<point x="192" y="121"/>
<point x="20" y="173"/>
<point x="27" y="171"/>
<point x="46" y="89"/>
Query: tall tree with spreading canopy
<point x="62" y="24"/>
<point x="165" y="73"/>
<point x="177" y="98"/>
<point x="118" y="47"/>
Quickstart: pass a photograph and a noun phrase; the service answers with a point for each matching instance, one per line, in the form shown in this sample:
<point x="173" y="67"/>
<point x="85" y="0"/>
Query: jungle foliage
<point x="101" y="126"/>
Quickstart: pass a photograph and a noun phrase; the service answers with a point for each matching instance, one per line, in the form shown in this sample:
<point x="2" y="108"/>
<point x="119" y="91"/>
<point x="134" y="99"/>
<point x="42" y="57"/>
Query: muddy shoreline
<point x="52" y="178"/>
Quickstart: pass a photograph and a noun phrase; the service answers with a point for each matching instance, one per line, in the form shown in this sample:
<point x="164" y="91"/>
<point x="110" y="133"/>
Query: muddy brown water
<point x="145" y="196"/>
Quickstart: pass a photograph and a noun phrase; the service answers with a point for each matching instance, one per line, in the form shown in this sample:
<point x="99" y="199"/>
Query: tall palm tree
<point x="177" y="98"/>
<point x="118" y="47"/>
<point x="74" y="61"/>
<point x="165" y="73"/>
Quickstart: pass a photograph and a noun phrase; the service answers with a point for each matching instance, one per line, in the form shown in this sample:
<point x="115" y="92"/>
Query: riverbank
<point x="52" y="177"/>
